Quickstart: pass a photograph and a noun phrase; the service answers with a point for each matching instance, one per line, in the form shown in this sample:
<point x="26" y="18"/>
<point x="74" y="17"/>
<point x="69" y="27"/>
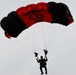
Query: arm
<point x="37" y="59"/>
<point x="46" y="58"/>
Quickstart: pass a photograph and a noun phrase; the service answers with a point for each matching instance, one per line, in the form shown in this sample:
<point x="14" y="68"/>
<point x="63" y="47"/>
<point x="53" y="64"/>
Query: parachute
<point x="24" y="17"/>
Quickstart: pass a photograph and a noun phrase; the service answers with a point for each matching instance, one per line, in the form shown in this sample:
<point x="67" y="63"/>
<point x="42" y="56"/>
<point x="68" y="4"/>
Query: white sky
<point x="17" y="55"/>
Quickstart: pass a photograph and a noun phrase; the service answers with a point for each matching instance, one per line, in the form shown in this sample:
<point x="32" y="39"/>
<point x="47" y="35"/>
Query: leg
<point x="41" y="70"/>
<point x="45" y="70"/>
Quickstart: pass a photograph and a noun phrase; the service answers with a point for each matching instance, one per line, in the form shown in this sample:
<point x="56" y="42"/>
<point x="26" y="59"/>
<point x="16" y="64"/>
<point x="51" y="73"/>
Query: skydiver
<point x="42" y="61"/>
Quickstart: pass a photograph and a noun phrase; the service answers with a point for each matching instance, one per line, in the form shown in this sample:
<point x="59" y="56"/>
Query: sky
<point x="17" y="54"/>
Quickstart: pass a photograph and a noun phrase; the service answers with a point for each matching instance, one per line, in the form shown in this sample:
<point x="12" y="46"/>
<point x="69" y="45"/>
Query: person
<point x="42" y="62"/>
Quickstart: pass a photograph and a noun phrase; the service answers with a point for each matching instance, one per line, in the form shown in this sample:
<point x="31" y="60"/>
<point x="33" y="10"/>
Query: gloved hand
<point x="45" y="51"/>
<point x="36" y="54"/>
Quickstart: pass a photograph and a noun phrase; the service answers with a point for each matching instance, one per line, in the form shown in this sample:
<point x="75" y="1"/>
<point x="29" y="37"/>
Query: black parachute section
<point x="12" y="24"/>
<point x="60" y="13"/>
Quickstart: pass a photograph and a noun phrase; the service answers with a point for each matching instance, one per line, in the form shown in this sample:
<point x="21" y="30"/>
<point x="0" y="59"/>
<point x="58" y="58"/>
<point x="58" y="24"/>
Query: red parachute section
<point x="34" y="13"/>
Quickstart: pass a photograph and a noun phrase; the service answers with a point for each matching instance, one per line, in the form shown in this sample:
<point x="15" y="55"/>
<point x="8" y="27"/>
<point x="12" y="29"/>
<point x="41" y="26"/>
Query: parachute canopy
<point x="24" y="17"/>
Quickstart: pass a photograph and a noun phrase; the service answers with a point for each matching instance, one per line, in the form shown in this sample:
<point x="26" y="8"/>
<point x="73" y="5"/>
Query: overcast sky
<point x="17" y="54"/>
